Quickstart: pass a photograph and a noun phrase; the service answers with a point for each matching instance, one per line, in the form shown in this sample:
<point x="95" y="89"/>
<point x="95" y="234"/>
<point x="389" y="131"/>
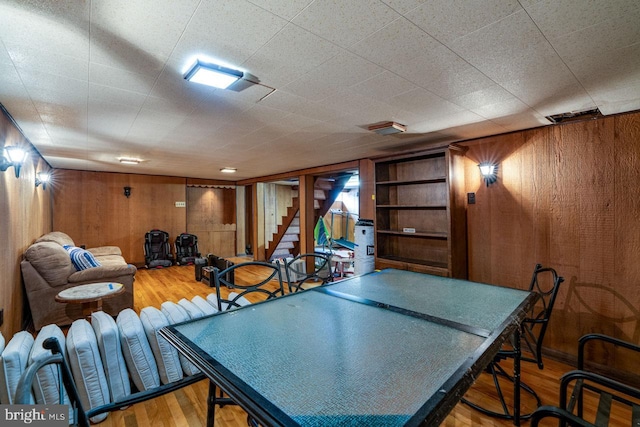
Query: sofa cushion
<point x="203" y="305"/>
<point x="86" y="366"/>
<point x="136" y="350"/>
<point x="108" y="338"/>
<point x="56" y="237"/>
<point x="166" y="355"/>
<point x="192" y="310"/>
<point x="13" y="361"/>
<point x="51" y="261"/>
<point x="105" y="251"/>
<point x="176" y="314"/>
<point x="81" y="259"/>
<point x="47" y="381"/>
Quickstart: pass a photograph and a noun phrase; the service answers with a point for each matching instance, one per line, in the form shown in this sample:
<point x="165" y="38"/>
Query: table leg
<point x="91" y="307"/>
<point x="516" y="377"/>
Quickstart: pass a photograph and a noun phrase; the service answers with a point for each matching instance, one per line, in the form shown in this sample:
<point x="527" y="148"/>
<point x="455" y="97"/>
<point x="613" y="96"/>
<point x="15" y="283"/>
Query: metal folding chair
<point x="308" y="270"/>
<point x="545" y="282"/>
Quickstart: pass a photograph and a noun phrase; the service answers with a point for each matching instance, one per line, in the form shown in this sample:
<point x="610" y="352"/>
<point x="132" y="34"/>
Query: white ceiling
<point x="89" y="81"/>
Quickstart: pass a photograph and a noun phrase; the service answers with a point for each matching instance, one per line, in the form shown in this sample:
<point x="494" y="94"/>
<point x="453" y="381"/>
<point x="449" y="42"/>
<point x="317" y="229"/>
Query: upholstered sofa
<point x="47" y="268"/>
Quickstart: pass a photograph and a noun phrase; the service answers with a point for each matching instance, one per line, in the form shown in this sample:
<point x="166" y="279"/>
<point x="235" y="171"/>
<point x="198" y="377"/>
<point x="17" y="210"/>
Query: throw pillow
<point x="81" y="258"/>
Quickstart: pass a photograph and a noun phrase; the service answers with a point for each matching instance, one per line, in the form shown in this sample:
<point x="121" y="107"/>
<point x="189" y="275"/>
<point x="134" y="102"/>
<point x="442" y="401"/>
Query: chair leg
<point x="211" y="404"/>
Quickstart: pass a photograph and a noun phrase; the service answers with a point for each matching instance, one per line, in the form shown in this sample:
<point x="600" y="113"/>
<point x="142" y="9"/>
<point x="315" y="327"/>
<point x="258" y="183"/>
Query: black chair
<point x="545" y="282"/>
<point x="308" y="270"/>
<point x="611" y="394"/>
<point x="267" y="282"/>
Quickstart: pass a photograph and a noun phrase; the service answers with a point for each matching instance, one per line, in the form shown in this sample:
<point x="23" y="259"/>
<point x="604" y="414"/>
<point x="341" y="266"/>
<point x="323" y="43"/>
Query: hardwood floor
<point x="187" y="407"/>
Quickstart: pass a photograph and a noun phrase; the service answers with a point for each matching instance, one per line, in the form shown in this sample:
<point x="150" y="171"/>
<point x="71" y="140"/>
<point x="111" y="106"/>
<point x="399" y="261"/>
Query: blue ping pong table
<point x="391" y="348"/>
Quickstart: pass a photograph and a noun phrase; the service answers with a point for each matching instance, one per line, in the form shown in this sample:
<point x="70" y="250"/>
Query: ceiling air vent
<point x="387" y="128"/>
<point x="575" y="116"/>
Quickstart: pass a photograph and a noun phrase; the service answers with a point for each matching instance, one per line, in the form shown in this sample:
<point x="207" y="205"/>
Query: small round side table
<point x="90" y="296"/>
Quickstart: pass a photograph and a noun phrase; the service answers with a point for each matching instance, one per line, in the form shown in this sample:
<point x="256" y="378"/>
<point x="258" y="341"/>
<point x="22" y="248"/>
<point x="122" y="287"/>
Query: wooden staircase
<point x="286" y="241"/>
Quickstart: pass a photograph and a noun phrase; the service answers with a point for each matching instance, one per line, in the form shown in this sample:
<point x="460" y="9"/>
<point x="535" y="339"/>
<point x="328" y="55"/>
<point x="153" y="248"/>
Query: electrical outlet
<point x="181" y="204"/>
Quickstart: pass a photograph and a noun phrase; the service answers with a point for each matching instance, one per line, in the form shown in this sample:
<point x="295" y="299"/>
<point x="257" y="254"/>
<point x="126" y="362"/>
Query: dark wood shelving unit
<point x="421" y="212"/>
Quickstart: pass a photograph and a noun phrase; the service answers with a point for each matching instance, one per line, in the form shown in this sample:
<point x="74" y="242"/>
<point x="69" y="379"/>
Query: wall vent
<point x="575" y="116"/>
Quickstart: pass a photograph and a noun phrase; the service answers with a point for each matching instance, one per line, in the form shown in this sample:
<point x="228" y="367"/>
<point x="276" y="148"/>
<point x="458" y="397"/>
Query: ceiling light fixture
<point x="129" y="160"/>
<point x="387" y="128"/>
<point x="228" y="170"/>
<point x="213" y="75"/>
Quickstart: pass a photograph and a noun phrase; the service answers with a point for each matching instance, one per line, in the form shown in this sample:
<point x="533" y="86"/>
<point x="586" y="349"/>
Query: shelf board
<point x="435" y="207"/>
<point x="415" y="181"/>
<point x="431" y="235"/>
<point x="433" y="264"/>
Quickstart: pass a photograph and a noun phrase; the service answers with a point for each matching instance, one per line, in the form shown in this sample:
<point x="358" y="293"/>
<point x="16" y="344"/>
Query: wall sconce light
<point x="127" y="192"/>
<point x="13" y="156"/>
<point x="43" y="178"/>
<point x="489" y="172"/>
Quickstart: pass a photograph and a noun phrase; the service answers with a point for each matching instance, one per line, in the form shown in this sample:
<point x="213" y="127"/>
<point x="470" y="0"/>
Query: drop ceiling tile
<point x="403" y="6"/>
<point x="514" y="54"/>
<point x="526" y="120"/>
<point x="120" y="79"/>
<point x="396" y="43"/>
<point x="289" y="55"/>
<point x="69" y="116"/>
<point x="475" y="130"/>
<point x="115" y="96"/>
<point x="345" y="23"/>
<point x="483" y="97"/>
<point x="441" y="123"/>
<point x="62" y="28"/>
<point x="425" y="103"/>
<point x="556" y="19"/>
<point x="610" y="34"/>
<point x="360" y="110"/>
<point x="456" y="18"/>
<point x="383" y="86"/>
<point x="443" y="72"/>
<point x="28" y="58"/>
<point x="613" y="98"/>
<point x="110" y="50"/>
<point x="227" y="31"/>
<point x="38" y="80"/>
<point x="138" y="26"/>
<point x="501" y="108"/>
<point x="286" y="9"/>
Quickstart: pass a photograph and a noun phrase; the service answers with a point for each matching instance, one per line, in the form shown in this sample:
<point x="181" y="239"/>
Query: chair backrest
<point x="65" y="377"/>
<point x="157" y="249"/>
<point x="308" y="270"/>
<point x="186" y="248"/>
<point x="258" y="278"/>
<point x="546" y="283"/>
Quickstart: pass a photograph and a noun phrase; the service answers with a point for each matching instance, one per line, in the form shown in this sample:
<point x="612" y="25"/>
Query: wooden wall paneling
<point x="480" y="233"/>
<point x="207" y="217"/>
<point x="241" y="231"/>
<point x="626" y="279"/>
<point x="26" y="215"/>
<point x="92" y="209"/>
<point x="307" y="214"/>
<point x="367" y="189"/>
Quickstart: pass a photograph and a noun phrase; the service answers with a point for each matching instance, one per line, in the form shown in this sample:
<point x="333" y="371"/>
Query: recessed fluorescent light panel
<point x="228" y="170"/>
<point x="129" y="160"/>
<point x="213" y="75"/>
